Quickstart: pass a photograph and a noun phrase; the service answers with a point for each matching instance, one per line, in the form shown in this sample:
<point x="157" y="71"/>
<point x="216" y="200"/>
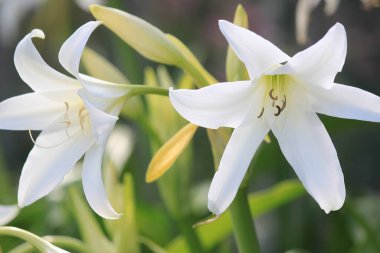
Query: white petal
<point x="236" y="158"/>
<point x="34" y="71"/>
<point x="319" y="64"/>
<point x="103" y="88"/>
<point x="101" y="123"/>
<point x="71" y="51"/>
<point x="346" y="102"/>
<point x="112" y="106"/>
<point x="222" y="104"/>
<point x="93" y="184"/>
<point x="63" y="96"/>
<point x="257" y="53"/>
<point x="8" y="213"/>
<point x="308" y="148"/>
<point x="30" y="111"/>
<point x="49" y="161"/>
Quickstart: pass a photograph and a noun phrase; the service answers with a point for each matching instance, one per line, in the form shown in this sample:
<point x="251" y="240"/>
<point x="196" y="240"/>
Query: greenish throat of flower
<point x="275" y="95"/>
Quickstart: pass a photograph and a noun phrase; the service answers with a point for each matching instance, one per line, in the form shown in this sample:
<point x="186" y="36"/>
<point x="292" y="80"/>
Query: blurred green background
<point x="299" y="225"/>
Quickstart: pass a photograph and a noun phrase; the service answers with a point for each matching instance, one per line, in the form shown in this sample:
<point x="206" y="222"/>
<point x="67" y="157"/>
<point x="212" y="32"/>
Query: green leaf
<point x="89" y="228"/>
<point x="235" y="69"/>
<point x="6" y="187"/>
<point x="126" y="228"/>
<point x="218" y="141"/>
<point x="151" y="245"/>
<point x="260" y="203"/>
<point x="164" y="77"/>
<point x="99" y="67"/>
<point x="191" y="64"/>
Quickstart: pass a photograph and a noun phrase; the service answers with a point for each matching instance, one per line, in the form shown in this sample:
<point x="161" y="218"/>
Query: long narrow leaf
<point x="260" y="202"/>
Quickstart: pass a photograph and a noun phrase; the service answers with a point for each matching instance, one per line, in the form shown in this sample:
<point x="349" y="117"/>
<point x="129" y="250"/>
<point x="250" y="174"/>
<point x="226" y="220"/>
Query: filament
<point x="41" y="146"/>
<point x="261" y="113"/>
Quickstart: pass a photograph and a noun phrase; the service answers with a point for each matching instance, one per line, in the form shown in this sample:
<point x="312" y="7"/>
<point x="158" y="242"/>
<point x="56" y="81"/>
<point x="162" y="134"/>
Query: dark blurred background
<point x="299" y="225"/>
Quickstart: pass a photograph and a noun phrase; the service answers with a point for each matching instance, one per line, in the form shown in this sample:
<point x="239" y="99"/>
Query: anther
<point x="81" y="111"/>
<point x="82" y="114"/>
<point x="271" y="95"/>
<point x="278" y="111"/>
<point x="283" y="103"/>
<point x="67" y="111"/>
<point x="261" y="113"/>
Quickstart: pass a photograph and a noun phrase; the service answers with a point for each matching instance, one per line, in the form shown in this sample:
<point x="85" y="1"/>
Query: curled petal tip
<point x="113" y="216"/>
<point x="98" y="23"/>
<point x="37" y="33"/>
<point x="214" y="208"/>
<point x="339" y="26"/>
<point x="333" y="206"/>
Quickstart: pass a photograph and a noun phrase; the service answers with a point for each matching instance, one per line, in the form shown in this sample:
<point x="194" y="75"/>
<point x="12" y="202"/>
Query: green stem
<point x="33" y="239"/>
<point x="60" y="241"/>
<point x="145" y="89"/>
<point x="243" y="224"/>
<point x="191" y="237"/>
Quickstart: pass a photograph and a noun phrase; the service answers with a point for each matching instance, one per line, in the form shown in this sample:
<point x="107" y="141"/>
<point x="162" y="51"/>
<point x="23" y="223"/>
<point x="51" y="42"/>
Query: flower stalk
<point x="190" y="235"/>
<point x="243" y="223"/>
<point x="60" y="241"/>
<point x="144" y="89"/>
<point x="39" y="243"/>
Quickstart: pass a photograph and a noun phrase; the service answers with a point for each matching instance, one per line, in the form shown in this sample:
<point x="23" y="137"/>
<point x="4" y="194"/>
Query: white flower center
<point x="275" y="100"/>
<point x="79" y="116"/>
<point x="77" y="121"/>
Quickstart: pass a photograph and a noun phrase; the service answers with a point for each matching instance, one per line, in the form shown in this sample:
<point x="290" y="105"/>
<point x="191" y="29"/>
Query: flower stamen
<point x="261" y="113"/>
<point x="274" y="98"/>
<point x="280" y="109"/>
<point x="283" y="103"/>
<point x="82" y="114"/>
<point x="40" y="146"/>
<point x="67" y="111"/>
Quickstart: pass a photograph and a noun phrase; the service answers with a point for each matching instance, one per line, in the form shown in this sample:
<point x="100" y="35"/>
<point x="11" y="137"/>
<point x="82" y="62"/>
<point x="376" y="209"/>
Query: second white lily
<point x="283" y="95"/>
<point x="73" y="121"/>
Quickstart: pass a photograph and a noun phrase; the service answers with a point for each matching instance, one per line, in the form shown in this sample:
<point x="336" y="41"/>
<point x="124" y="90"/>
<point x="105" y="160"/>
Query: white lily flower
<point x="72" y="125"/>
<point x="283" y="95"/>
